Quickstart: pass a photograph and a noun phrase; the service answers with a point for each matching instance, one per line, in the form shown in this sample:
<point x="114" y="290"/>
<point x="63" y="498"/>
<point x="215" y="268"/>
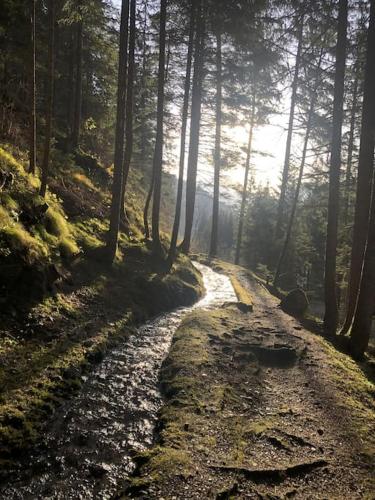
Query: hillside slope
<point x="60" y="307"/>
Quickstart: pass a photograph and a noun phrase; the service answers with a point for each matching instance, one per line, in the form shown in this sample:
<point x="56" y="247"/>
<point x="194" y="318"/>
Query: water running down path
<point x="92" y="439"/>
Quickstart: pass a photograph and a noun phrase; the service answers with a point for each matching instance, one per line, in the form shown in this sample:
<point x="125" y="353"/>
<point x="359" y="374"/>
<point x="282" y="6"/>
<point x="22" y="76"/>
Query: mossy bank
<point x="55" y="327"/>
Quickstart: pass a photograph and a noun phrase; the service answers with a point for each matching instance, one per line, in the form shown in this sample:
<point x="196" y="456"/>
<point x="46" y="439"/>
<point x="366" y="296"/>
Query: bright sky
<point x="268" y="139"/>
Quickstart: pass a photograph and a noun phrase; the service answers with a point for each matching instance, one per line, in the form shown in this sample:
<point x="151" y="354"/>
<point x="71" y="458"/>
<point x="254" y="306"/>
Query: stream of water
<point x="93" y="438"/>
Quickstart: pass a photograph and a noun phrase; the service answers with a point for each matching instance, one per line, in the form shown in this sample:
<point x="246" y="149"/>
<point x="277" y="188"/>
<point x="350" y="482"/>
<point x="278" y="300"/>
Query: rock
<point x="243" y="307"/>
<point x="295" y="303"/>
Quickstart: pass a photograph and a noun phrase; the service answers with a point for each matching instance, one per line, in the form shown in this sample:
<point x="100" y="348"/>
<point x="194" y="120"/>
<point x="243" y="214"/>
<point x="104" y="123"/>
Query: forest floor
<point x="259" y="407"/>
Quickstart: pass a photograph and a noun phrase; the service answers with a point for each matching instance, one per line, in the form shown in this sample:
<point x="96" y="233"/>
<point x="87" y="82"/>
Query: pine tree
<point x="50" y="93"/>
<point x="184" y="119"/>
<point x="217" y="152"/>
<point x="191" y="182"/>
<point x="158" y="154"/>
<point x="365" y="304"/>
<point x="330" y="280"/>
<point x="112" y="239"/>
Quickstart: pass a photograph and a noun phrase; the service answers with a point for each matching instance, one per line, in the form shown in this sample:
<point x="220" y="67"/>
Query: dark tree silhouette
<point x="32" y="153"/>
<point x="288" y="147"/>
<point x="365" y="304"/>
<point x="184" y="119"/>
<point x="158" y="153"/>
<point x="217" y="152"/>
<point x="330" y="279"/>
<point x="49" y="100"/>
<point x="129" y="109"/>
<point x="191" y="181"/>
<point x="119" y="137"/>
<point x="245" y="185"/>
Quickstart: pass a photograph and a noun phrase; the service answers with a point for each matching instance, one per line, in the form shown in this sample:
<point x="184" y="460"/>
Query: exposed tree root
<point x="274" y="475"/>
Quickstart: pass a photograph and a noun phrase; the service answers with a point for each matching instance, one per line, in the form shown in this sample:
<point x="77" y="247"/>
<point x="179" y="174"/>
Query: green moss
<point x="22" y="241"/>
<point x="68" y="248"/>
<point x="56" y="223"/>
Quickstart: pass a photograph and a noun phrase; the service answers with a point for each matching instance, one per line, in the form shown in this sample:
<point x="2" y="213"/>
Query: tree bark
<point x="365" y="305"/>
<point x="191" y="181"/>
<point x="129" y="109"/>
<point x="142" y="103"/>
<point x="49" y="100"/>
<point x="112" y="240"/>
<point x="217" y="153"/>
<point x="330" y="281"/>
<point x="185" y="112"/>
<point x="32" y="152"/>
<point x="364" y="181"/>
<point x="349" y="163"/>
<point x="361" y="330"/>
<point x="78" y="85"/>
<point x="288" y="147"/>
<point x="157" y="166"/>
<point x="300" y="176"/>
<point x="245" y="185"/>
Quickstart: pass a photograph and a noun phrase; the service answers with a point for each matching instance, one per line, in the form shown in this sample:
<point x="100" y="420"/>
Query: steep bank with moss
<point x="60" y="308"/>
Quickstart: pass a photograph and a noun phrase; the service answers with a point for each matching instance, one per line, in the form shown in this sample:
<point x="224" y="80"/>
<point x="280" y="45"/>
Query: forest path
<point x="274" y="412"/>
<point x="88" y="447"/>
<point x="322" y="411"/>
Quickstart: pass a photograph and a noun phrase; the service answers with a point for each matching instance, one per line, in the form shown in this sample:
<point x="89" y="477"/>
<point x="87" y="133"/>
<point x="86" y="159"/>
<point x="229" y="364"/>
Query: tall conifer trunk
<point x="245" y="185"/>
<point x="292" y="216"/>
<point x="217" y="153"/>
<point x="49" y="100"/>
<point x="288" y="147"/>
<point x="184" y="119"/>
<point x="366" y="298"/>
<point x="191" y="181"/>
<point x="112" y="239"/>
<point x="76" y="128"/>
<point x="158" y="154"/>
<point x="32" y="152"/>
<point x="330" y="278"/>
<point x="364" y="183"/>
<point x="129" y="109"/>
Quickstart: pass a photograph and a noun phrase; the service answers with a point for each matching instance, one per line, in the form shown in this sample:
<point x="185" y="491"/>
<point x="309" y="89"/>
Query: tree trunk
<point x="78" y="85"/>
<point x="245" y="185"/>
<point x="300" y="176"/>
<point x="349" y="164"/>
<point x="288" y="147"/>
<point x="142" y="104"/>
<point x="185" y="112"/>
<point x="129" y="109"/>
<point x="49" y="100"/>
<point x="147" y="206"/>
<point x="119" y="137"/>
<point x="157" y="166"/>
<point x="191" y="181"/>
<point x="32" y="153"/>
<point x="330" y="282"/>
<point x="362" y="323"/>
<point x="361" y="330"/>
<point x="70" y="107"/>
<point x="348" y="187"/>
<point x="217" y="153"/>
<point x="364" y="181"/>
